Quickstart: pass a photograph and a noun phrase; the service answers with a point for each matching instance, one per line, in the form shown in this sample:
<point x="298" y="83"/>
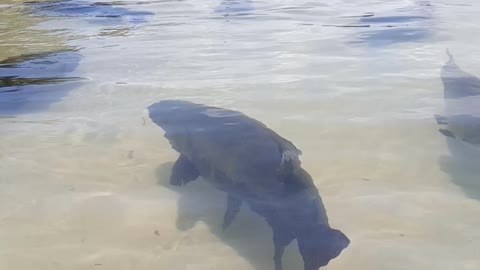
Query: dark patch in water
<point x="405" y="25"/>
<point x="390" y="35"/>
<point x="360" y="16"/>
<point x="31" y="82"/>
<point x="349" y="25"/>
<point x="392" y="19"/>
<point x="235" y="8"/>
<point x="12" y="81"/>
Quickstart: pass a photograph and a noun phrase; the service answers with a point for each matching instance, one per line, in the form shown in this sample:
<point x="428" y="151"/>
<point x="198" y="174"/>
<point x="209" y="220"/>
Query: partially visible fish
<point x="462" y="104"/>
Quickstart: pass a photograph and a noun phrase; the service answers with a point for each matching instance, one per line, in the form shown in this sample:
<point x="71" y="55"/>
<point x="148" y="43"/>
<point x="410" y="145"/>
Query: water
<point x="354" y="84"/>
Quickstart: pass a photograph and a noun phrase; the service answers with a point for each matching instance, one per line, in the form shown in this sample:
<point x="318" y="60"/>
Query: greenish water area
<point x="387" y="120"/>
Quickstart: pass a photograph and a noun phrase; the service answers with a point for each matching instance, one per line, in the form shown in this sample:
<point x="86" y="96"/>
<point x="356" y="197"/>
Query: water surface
<point x="84" y="173"/>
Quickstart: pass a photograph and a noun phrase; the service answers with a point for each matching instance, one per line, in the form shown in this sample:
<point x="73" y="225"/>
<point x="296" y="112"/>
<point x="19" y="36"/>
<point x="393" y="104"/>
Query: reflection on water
<point x="234" y="8"/>
<point x="410" y="24"/>
<point x="36" y="65"/>
<point x="108" y="18"/>
<point x="27" y="82"/>
<point x="32" y="81"/>
<point x="73" y="8"/>
<point x="461" y="126"/>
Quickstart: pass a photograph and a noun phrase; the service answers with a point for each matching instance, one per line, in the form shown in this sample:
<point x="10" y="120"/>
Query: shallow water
<point x="354" y="84"/>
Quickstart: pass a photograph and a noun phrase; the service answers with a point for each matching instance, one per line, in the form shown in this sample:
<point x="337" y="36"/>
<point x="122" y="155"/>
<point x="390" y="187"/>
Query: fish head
<point x="321" y="244"/>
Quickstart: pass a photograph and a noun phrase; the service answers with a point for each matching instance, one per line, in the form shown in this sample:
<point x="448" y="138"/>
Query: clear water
<point x="354" y="84"/>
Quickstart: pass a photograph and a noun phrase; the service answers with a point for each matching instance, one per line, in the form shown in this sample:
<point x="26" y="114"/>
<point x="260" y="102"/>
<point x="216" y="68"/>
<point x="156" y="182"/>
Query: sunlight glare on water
<point x="354" y="84"/>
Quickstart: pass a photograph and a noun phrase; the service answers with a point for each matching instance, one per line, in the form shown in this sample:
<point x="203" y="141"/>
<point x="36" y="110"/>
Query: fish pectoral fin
<point x="183" y="171"/>
<point x="233" y="207"/>
<point x="441" y="120"/>
<point x="447" y="133"/>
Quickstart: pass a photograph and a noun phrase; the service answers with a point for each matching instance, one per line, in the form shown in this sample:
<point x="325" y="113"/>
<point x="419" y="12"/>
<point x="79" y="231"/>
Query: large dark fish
<point x="255" y="166"/>
<point x="462" y="104"/>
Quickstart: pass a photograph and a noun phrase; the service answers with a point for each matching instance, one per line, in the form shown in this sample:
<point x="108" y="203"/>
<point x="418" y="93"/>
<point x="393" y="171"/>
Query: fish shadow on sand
<point x="460" y="125"/>
<point x="250" y="236"/>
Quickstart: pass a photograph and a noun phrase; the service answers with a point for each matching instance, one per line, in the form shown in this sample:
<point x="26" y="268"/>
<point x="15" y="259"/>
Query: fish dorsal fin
<point x="290" y="156"/>
<point x="289" y="152"/>
<point x="450" y="57"/>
